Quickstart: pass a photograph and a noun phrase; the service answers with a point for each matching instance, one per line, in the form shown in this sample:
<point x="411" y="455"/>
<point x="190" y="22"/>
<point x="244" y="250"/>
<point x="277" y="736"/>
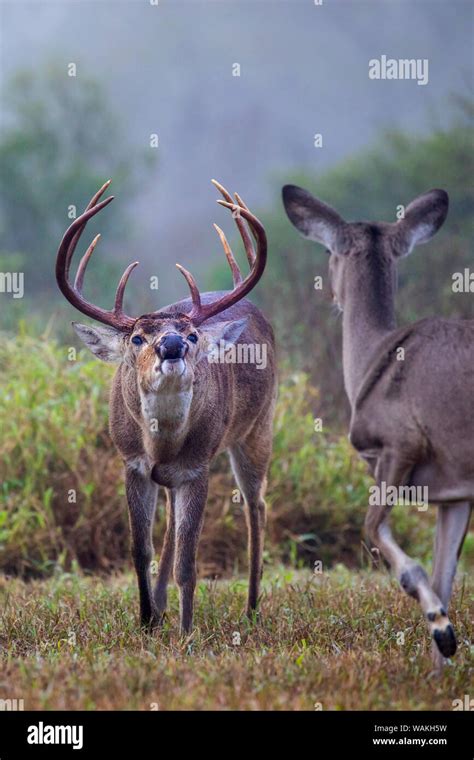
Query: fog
<point x="168" y="69"/>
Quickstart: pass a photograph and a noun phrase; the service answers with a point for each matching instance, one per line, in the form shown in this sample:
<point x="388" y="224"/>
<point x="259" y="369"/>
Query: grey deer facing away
<point x="172" y="409"/>
<point x="412" y="420"/>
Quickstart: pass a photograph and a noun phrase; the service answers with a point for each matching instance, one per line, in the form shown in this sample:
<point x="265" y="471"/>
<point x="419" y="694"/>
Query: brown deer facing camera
<point x="172" y="409"/>
<point x="411" y="389"/>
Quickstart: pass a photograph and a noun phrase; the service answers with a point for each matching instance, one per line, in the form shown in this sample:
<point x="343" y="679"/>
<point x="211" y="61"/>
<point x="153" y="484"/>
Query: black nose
<point x="172" y="347"/>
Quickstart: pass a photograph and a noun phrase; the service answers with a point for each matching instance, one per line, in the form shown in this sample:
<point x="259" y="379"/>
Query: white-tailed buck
<point x="172" y="410"/>
<point x="411" y="389"/>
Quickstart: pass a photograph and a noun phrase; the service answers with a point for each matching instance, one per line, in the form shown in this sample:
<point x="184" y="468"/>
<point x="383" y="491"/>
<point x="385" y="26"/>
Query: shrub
<point x="62" y="497"/>
<point x="53" y="417"/>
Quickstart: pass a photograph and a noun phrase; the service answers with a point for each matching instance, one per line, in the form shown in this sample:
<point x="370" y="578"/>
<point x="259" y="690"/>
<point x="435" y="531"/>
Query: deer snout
<point x="171" y="347"/>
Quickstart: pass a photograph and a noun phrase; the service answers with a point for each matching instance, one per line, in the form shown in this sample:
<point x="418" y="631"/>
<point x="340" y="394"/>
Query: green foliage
<point x="53" y="417"/>
<point x="53" y="420"/>
<point x="59" y="143"/>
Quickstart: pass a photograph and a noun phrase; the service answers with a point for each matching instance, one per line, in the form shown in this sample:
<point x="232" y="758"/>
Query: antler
<point x="115" y="318"/>
<point x="199" y="312"/>
<point x="257" y="260"/>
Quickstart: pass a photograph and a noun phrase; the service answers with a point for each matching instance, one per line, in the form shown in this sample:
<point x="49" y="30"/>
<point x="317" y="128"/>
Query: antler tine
<point x="115" y="318"/>
<point x="240" y="201"/>
<point x="236" y="273"/>
<point x="250" y="251"/>
<point x="93" y="202"/>
<point x="71" y="237"/>
<point x="246" y="239"/>
<point x="195" y="295"/>
<point x="255" y="225"/>
<point x="118" y="303"/>
<point x="200" y="312"/>
<point x="81" y="269"/>
<point x="222" y="190"/>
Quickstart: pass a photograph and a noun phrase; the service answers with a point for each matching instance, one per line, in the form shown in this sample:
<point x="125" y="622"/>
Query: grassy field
<point x="330" y="641"/>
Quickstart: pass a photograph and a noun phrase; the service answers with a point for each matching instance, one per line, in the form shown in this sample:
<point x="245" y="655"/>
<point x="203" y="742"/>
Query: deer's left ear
<point x="227" y="332"/>
<point x="104" y="342"/>
<point x="423" y="218"/>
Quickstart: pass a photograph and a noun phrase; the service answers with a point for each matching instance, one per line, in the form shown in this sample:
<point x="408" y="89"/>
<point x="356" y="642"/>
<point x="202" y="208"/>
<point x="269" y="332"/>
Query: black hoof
<point x="446" y="641"/>
<point x="149" y="623"/>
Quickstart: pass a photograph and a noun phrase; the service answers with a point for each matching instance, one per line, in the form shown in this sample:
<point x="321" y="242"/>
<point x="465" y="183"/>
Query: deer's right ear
<point x="104" y="342"/>
<point x="313" y="218"/>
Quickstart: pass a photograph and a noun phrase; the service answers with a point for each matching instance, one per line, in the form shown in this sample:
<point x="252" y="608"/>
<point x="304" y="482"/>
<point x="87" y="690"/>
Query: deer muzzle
<point x="172" y="347"/>
<point x="171" y="350"/>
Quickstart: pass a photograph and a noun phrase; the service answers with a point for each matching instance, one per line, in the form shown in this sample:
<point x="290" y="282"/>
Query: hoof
<point x="150" y="622"/>
<point x="157" y="621"/>
<point x="445" y="640"/>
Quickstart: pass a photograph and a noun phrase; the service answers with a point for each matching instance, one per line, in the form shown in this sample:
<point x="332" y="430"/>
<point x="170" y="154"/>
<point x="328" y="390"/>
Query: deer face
<point x="163" y="350"/>
<point x="364" y="254"/>
<point x="166" y="351"/>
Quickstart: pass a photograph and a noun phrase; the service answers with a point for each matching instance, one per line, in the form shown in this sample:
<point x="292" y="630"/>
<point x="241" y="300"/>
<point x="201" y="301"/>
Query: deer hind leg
<point x="141" y="496"/>
<point x="250" y="461"/>
<point x="412" y="577"/>
<point x="451" y="529"/>
<point x="167" y="556"/>
<point x="190" y="501"/>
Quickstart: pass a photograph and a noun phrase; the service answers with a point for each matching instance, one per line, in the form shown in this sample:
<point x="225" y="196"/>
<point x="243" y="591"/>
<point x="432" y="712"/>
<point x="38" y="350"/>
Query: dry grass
<point x="72" y="642"/>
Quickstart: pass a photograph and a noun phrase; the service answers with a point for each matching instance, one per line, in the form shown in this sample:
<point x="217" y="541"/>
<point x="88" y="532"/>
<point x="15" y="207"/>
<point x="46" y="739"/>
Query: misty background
<point x="167" y="70"/>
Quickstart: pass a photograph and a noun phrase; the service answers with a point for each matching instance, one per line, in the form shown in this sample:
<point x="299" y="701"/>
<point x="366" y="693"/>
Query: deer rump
<point x="429" y="392"/>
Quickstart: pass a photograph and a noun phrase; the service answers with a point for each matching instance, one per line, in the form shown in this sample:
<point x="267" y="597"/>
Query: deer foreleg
<point x="167" y="555"/>
<point x="190" y="502"/>
<point x="451" y="529"/>
<point x="141" y="496"/>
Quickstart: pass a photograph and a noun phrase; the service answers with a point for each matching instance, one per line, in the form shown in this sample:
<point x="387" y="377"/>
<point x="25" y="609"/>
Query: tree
<point x="60" y="142"/>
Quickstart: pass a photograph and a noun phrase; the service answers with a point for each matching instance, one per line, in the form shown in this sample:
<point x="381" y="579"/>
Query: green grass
<point x="61" y="482"/>
<point x="72" y="642"/>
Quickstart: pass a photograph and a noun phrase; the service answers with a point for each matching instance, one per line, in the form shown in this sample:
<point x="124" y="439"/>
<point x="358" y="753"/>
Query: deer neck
<point x="369" y="315"/>
<point x="169" y="413"/>
<point x="166" y="416"/>
<point x="166" y="412"/>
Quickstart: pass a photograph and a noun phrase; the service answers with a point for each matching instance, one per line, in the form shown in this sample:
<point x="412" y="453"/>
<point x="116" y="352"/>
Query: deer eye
<point x="137" y="340"/>
<point x="193" y="338"/>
